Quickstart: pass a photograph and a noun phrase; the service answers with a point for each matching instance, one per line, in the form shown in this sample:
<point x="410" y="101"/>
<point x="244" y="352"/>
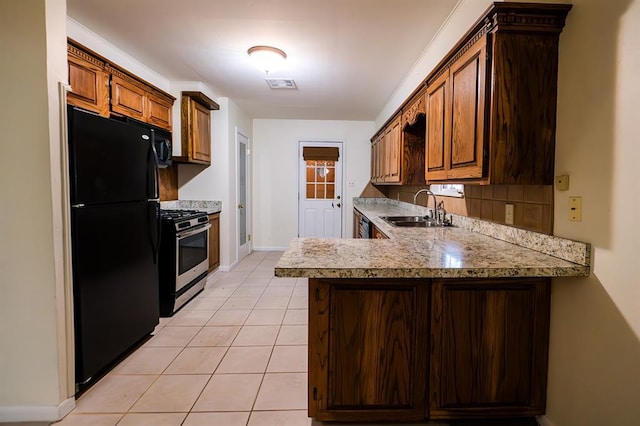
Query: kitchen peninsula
<point x="438" y="323"/>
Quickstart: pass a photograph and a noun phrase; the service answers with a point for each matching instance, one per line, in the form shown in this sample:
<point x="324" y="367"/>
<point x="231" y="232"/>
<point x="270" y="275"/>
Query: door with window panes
<point x="320" y="190"/>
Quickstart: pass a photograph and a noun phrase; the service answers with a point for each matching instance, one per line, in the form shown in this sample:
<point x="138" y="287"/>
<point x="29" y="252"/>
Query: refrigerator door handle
<point x="156" y="166"/>
<point x="154" y="215"/>
<point x="156" y="196"/>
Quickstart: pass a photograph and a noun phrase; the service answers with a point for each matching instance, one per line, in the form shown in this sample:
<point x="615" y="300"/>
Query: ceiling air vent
<point x="281" y="83"/>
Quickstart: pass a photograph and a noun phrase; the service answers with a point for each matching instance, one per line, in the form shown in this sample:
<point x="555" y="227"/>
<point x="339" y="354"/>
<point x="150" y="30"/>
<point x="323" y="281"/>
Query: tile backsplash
<point x="533" y="204"/>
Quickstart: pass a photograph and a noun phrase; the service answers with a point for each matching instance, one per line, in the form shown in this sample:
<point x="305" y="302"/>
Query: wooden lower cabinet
<point x="489" y="348"/>
<point x="214" y="241"/>
<point x="357" y="216"/>
<point x="377" y="234"/>
<point x="363" y="339"/>
<point x="410" y="349"/>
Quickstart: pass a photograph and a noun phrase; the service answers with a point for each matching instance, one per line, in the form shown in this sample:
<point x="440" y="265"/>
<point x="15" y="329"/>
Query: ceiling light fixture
<point x="267" y="58"/>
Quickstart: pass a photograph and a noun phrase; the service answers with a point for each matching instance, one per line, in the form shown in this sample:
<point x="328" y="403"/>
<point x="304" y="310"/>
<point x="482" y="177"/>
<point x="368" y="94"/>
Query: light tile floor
<point x="235" y="355"/>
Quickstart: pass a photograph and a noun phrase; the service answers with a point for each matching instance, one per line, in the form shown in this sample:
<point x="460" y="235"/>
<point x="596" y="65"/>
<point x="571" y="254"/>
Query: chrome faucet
<point x="434" y="215"/>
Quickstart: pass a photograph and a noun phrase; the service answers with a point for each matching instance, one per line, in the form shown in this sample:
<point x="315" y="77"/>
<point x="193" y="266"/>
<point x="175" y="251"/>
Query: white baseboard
<point x="228" y="268"/>
<point x="544" y="421"/>
<point x="36" y="413"/>
<point x="270" y="248"/>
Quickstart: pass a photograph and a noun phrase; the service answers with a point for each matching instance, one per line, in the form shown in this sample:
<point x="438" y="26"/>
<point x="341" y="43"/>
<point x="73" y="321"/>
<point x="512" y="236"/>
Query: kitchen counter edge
<point x="523" y="253"/>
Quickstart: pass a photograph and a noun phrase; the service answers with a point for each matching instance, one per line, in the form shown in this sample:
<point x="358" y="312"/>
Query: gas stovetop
<point x="183" y="219"/>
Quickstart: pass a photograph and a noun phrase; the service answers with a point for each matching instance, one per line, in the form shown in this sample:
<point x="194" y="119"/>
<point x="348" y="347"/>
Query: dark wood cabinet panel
<point x="409" y="349"/>
<point x="525" y="68"/>
<point x="196" y="128"/>
<point x="159" y="111"/>
<point x="127" y="98"/>
<point x="467" y="78"/>
<point x="168" y="183"/>
<point x="398" y="149"/>
<point x="357" y="216"/>
<point x="377" y="158"/>
<point x="214" y="241"/>
<point x="89" y="82"/>
<point x="201" y="132"/>
<point x="489" y="344"/>
<point x="107" y="89"/>
<point x="363" y="341"/>
<point x="498" y="90"/>
<point x="438" y="128"/>
<point x="378" y="234"/>
<point x="456" y="116"/>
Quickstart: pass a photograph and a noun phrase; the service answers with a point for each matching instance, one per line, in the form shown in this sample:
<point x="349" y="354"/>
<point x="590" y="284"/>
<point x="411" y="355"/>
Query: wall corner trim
<point x="544" y="421"/>
<point x="37" y="413"/>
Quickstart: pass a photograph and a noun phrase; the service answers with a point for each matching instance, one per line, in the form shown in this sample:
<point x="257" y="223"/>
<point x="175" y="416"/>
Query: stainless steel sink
<point x="412" y="221"/>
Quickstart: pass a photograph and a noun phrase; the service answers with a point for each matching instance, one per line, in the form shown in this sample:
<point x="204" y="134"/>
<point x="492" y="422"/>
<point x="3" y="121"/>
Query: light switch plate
<point x="508" y="214"/>
<point x="575" y="209"/>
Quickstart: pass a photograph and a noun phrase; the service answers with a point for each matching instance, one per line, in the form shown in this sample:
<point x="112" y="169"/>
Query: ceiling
<point x="346" y="56"/>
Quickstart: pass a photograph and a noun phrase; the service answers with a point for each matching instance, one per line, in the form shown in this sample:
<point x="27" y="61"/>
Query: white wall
<point x="275" y="172"/>
<point x="33" y="349"/>
<point x="594" y="371"/>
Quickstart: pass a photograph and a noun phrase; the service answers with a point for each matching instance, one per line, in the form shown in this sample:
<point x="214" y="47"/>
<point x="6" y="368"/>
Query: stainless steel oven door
<point x="192" y="249"/>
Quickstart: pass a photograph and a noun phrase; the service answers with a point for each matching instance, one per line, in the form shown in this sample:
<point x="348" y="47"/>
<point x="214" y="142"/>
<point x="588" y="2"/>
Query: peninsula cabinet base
<point x="466" y="351"/>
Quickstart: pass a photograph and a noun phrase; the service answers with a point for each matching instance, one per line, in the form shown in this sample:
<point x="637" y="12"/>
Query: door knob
<point x="241" y="206"/>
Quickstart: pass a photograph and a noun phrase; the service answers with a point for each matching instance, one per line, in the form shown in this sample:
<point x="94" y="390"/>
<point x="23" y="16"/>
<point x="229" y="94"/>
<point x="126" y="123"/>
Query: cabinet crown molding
<point x="202" y="99"/>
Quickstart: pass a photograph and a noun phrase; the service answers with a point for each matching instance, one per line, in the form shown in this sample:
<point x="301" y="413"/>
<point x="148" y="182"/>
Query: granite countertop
<point x="209" y="207"/>
<point x="473" y="248"/>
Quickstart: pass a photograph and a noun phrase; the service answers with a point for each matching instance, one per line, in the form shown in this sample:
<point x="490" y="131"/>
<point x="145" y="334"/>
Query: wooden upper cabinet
<point x="159" y="111"/>
<point x="89" y="82"/>
<point x="414" y="108"/>
<point x="393" y="152"/>
<point x="398" y="148"/>
<point x="467" y="78"/>
<point x="412" y="136"/>
<point x="127" y="98"/>
<point x="105" y="88"/>
<point x="196" y="128"/>
<point x="455" y="120"/>
<point x="377" y="157"/>
<point x="438" y="128"/>
<point x="201" y="127"/>
<point x="491" y="102"/>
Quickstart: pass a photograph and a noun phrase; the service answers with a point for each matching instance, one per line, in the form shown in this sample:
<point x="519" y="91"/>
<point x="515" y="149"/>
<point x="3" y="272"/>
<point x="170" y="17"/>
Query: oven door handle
<point x="194" y="231"/>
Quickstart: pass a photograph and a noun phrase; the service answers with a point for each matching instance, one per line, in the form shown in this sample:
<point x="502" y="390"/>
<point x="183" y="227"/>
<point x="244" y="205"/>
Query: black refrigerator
<point x="115" y="237"/>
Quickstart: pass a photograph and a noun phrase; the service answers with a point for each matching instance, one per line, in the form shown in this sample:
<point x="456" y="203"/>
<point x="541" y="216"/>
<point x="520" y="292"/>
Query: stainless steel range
<point x="183" y="259"/>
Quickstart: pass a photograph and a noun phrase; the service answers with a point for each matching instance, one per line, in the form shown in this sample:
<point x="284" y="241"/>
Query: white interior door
<point x="243" y="226"/>
<point x="320" y="190"/>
